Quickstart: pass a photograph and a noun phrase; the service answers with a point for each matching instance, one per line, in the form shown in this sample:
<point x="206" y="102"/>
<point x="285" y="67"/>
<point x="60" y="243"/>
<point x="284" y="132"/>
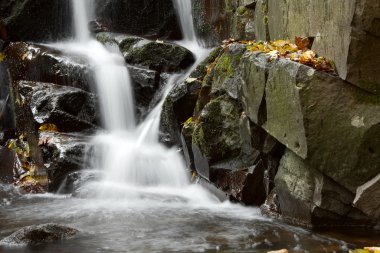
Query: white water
<point x="132" y="160"/>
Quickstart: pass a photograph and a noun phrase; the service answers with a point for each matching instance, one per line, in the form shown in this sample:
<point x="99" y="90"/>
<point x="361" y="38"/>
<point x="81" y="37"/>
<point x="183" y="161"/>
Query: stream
<point x="144" y="201"/>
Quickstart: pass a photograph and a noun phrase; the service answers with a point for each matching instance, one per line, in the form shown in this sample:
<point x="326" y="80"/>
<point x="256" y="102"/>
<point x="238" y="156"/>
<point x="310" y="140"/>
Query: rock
<point x="243" y="185"/>
<point x="69" y="108"/>
<point x="271" y="207"/>
<point x="215" y="21"/>
<point x="154" y="55"/>
<point x="178" y="107"/>
<point x="367" y="198"/>
<point x="186" y="143"/>
<point x="214" y="190"/>
<point x="63" y="154"/>
<point x="44" y="20"/>
<point x="153" y="18"/>
<point x="318" y="116"/>
<point x="309" y="198"/>
<point x="40" y="63"/>
<point x="225" y="75"/>
<point x="356" y="58"/>
<point x="145" y="86"/>
<point x="217" y="134"/>
<point x="7" y="158"/>
<point x="38" y="234"/>
<point x="162" y="57"/>
<point x="75" y="183"/>
<point x="254" y="74"/>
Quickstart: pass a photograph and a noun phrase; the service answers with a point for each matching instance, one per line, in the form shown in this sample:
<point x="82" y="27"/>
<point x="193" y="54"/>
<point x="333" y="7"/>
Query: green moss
<point x="224" y="64"/>
<point x="104" y="38"/>
<point x="127" y="43"/>
<point x="241" y="10"/>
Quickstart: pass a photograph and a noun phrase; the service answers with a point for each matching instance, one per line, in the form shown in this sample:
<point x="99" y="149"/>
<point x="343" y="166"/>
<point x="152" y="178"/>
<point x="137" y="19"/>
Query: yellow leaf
<point x="48" y="128"/>
<point x="2" y="57"/>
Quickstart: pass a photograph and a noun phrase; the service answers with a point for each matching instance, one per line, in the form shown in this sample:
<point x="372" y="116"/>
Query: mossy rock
<point x="217" y="134"/>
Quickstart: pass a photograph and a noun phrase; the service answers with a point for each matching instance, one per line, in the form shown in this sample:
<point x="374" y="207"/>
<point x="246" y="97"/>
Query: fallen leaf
<point x="2" y="57"/>
<point x="48" y="128"/>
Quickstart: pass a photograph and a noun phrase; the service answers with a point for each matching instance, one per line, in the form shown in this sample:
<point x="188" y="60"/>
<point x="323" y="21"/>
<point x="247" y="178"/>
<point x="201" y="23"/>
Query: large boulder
<point x="152" y="18"/>
<point x="158" y="56"/>
<point x="68" y="108"/>
<point x="38" y="234"/>
<point x="318" y="116"/>
<point x="43" y="20"/>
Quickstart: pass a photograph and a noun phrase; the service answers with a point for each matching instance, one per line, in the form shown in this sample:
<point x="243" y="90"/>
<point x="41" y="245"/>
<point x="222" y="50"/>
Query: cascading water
<point x="130" y="156"/>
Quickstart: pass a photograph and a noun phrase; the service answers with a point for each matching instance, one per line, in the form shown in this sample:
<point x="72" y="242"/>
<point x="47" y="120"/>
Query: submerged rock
<point x="38" y="234"/>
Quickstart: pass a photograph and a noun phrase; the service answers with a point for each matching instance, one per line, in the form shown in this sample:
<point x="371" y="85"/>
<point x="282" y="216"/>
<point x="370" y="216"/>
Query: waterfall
<point x="129" y="155"/>
<point x="185" y="16"/>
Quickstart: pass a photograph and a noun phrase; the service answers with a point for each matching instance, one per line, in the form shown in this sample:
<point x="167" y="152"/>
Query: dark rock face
<point x="34" y="62"/>
<point x="70" y="109"/>
<point x="307" y="197"/>
<point x="7" y="158"/>
<point x="166" y="57"/>
<point x="155" y="55"/>
<point x="43" y="20"/>
<point x="152" y="18"/>
<point x="63" y="154"/>
<point x="216" y="20"/>
<point x="38" y="234"/>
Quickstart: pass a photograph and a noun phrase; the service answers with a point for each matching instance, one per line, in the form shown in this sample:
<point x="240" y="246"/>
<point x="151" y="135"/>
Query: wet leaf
<point x="2" y="57"/>
<point x="279" y="251"/>
<point x="373" y="249"/>
<point x="188" y="121"/>
<point x="48" y="128"/>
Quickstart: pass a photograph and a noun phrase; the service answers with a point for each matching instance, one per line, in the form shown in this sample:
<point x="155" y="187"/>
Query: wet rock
<point x="75" y="183"/>
<point x="70" y="109"/>
<point x="7" y="158"/>
<point x="222" y="196"/>
<point x="177" y="109"/>
<point x="155" y="55"/>
<point x="271" y="207"/>
<point x="153" y="18"/>
<point x="44" y="20"/>
<point x="243" y="185"/>
<point x="34" y="62"/>
<point x="367" y="198"/>
<point x="38" y="234"/>
<point x="186" y="143"/>
<point x="63" y="154"/>
<point x="145" y="86"/>
<point x="162" y="57"/>
<point x="309" y="198"/>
